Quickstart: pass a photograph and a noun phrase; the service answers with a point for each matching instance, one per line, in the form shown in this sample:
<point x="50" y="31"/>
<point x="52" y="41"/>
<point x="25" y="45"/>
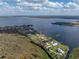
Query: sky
<point x="23" y="6"/>
<point x="12" y="2"/>
<point x="65" y="1"/>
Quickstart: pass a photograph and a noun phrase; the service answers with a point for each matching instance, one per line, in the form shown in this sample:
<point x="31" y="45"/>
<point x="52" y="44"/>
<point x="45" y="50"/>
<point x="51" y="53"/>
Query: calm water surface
<point x="64" y="34"/>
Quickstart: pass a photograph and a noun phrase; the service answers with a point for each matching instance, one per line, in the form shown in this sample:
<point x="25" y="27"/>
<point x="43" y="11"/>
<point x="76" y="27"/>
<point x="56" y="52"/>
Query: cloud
<point x="54" y="5"/>
<point x="24" y="6"/>
<point x="41" y="4"/>
<point x="32" y="4"/>
<point x="34" y="1"/>
<point x="76" y="1"/>
<point x="72" y="5"/>
<point x="45" y="4"/>
<point x="18" y="0"/>
<point x="6" y="9"/>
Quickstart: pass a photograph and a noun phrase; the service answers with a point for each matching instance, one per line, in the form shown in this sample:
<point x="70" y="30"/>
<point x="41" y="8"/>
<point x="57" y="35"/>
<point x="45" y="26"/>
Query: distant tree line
<point x="22" y="29"/>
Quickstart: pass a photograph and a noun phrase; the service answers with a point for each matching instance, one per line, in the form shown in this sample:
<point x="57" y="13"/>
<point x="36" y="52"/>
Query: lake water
<point x="64" y="34"/>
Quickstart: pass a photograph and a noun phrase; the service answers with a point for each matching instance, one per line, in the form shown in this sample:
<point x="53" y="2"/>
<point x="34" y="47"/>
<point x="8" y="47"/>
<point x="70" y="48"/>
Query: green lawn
<point x="74" y="54"/>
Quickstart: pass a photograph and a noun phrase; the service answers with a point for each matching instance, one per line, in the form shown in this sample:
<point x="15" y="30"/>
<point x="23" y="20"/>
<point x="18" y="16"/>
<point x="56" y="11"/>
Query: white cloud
<point x="54" y="5"/>
<point x="23" y="6"/>
<point x="32" y="4"/>
<point x="29" y="4"/>
<point x="76" y="1"/>
<point x="6" y="8"/>
<point x="18" y="0"/>
<point x="26" y="5"/>
<point x="41" y="4"/>
<point x="72" y="5"/>
<point x="34" y="1"/>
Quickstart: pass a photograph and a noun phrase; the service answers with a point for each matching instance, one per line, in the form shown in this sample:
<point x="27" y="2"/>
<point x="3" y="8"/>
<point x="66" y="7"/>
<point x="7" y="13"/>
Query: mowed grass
<point x="15" y="46"/>
<point x="74" y="54"/>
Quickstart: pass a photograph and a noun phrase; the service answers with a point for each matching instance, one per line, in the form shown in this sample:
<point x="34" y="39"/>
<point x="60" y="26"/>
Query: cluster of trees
<point x="22" y="29"/>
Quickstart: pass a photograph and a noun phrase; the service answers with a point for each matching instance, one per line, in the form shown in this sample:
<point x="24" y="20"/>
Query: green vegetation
<point x="15" y="46"/>
<point x="53" y="49"/>
<point x="74" y="54"/>
<point x="58" y="35"/>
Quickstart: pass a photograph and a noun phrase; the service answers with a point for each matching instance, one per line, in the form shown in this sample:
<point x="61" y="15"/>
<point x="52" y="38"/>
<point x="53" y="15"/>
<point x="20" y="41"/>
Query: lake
<point x="65" y="34"/>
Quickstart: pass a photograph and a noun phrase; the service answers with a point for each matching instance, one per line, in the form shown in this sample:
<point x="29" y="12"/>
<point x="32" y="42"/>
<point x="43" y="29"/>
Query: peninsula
<point x="25" y="38"/>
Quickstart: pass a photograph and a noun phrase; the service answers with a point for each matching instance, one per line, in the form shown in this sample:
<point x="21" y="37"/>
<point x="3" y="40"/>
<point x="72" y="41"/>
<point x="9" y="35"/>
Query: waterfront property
<point x="55" y="49"/>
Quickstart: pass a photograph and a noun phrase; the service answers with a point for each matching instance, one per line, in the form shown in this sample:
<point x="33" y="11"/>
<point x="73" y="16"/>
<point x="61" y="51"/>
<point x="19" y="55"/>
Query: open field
<point x="15" y="46"/>
<point x="74" y="54"/>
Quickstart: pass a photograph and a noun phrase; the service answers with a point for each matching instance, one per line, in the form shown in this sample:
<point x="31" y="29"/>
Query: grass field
<point x="15" y="46"/>
<point x="74" y="54"/>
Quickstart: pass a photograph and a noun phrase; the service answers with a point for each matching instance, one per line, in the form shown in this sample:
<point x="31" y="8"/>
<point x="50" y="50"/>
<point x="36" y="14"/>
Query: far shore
<point x="76" y="23"/>
<point x="45" y="16"/>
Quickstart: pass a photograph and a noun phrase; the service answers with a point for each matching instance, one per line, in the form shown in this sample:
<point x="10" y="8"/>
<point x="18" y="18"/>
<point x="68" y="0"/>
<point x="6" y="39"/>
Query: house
<point x="54" y="43"/>
<point x="47" y="45"/>
<point x="60" y="54"/>
<point x="60" y="50"/>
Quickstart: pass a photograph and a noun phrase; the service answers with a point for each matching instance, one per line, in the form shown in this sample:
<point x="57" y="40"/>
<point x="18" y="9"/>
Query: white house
<point x="60" y="50"/>
<point x="48" y="45"/>
<point x="54" y="43"/>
